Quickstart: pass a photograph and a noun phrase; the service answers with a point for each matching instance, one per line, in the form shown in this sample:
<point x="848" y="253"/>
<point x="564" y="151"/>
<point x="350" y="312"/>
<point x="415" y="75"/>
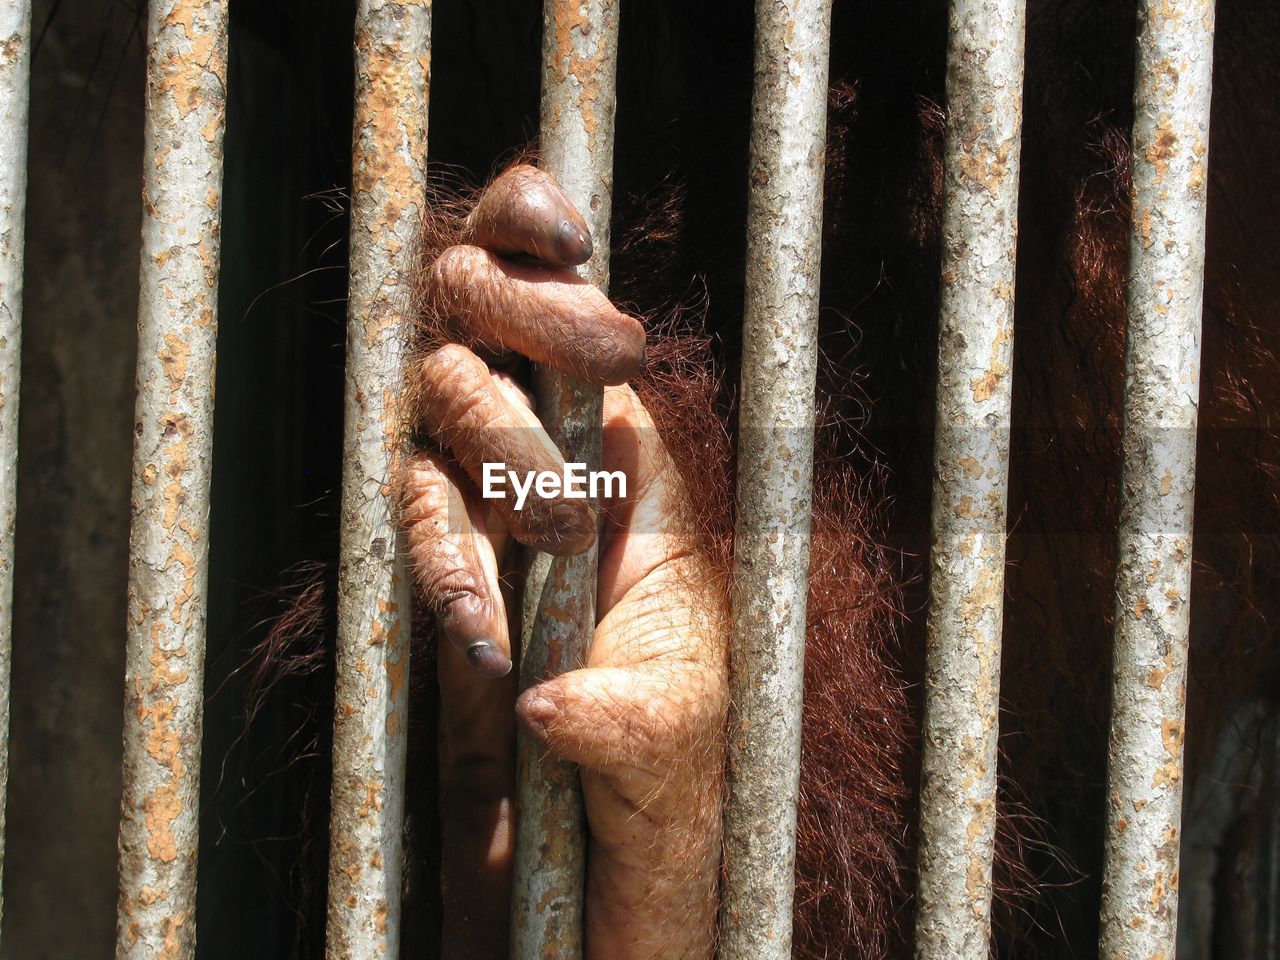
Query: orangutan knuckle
<point x="458" y="266"/>
<point x="457" y="283"/>
<point x="451" y="364"/>
<point x="426" y="500"/>
<point x="456" y="386"/>
<point x="448" y="584"/>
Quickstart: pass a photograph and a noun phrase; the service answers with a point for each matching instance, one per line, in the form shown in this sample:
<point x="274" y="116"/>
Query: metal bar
<point x="388" y="201"/>
<point x="579" y="67"/>
<point x="15" y="86"/>
<point x="1162" y="382"/>
<point x="971" y="473"/>
<point x="173" y="438"/>
<point x="775" y="474"/>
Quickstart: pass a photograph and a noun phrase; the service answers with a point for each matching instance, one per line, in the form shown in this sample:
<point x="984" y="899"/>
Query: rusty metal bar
<point x="775" y="473"/>
<point x="388" y="201"/>
<point x="392" y="45"/>
<point x="173" y="437"/>
<point x="15" y="85"/>
<point x="971" y="474"/>
<point x="1162" y="385"/>
<point x="579" y="67"/>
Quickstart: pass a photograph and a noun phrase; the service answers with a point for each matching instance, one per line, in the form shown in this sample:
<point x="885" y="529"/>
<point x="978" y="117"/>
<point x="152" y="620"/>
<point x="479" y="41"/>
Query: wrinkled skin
<point x="644" y="718"/>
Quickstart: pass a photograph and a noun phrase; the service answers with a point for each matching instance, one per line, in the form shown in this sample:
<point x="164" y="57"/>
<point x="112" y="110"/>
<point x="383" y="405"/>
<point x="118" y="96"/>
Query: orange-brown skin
<point x="644" y="717"/>
<point x="548" y="314"/>
<point x="525" y="212"/>
<point x="481" y="420"/>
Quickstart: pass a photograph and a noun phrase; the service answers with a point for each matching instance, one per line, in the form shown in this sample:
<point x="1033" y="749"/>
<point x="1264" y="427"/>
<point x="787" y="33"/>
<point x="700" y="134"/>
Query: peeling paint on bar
<point x="1162" y="385"/>
<point x="173" y="434"/>
<point x="971" y="473"/>
<point x="392" y="65"/>
<point x="579" y="63"/>
<point x="775" y="475"/>
<point x="15" y="82"/>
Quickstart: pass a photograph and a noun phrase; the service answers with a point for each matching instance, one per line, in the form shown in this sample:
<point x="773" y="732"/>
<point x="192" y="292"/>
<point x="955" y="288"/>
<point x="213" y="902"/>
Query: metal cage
<point x="168" y="571"/>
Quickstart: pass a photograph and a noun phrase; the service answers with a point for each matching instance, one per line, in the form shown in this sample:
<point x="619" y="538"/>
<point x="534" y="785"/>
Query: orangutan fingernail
<point x="488" y="659"/>
<point x="573" y="243"/>
<point x="536" y="711"/>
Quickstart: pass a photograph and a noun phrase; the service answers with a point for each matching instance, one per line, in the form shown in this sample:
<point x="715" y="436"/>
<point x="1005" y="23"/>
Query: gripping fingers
<point x="548" y="314"/>
<point x="632" y="724"/>
<point x="483" y="423"/>
<point x="524" y="211"/>
<point x="455" y="564"/>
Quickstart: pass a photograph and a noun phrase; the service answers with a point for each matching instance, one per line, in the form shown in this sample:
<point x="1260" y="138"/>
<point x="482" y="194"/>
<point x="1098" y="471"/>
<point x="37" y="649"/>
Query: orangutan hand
<point x="644" y="717"/>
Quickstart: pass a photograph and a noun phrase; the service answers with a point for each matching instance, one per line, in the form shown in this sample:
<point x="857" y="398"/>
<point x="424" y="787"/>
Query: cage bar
<point x="775" y="474"/>
<point x="388" y="201"/>
<point x="1153" y="574"/>
<point x="173" y="437"/>
<point x="15" y="84"/>
<point x="579" y="67"/>
<point x="971" y="474"/>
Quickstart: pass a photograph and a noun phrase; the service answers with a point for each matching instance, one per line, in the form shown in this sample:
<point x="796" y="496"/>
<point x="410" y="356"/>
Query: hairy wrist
<point x="656" y="897"/>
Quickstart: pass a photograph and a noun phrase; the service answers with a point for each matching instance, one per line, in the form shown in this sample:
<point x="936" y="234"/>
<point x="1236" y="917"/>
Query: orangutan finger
<point x="525" y="211"/>
<point x="615" y="720"/>
<point x="454" y="565"/>
<point x="476" y="744"/>
<point x="493" y="436"/>
<point x="548" y="314"/>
